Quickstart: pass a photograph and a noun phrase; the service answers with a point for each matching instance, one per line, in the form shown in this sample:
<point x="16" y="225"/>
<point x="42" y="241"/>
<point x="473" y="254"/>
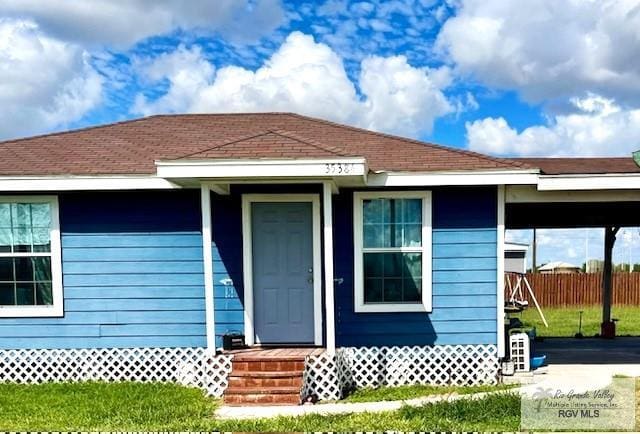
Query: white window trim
<point x="57" y="308"/>
<point x="358" y="233"/>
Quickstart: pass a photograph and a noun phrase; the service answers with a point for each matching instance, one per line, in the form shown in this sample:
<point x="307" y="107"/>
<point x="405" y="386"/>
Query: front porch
<point x="270" y="274"/>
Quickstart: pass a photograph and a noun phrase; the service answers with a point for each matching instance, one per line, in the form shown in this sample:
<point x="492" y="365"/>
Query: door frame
<point x="247" y="260"/>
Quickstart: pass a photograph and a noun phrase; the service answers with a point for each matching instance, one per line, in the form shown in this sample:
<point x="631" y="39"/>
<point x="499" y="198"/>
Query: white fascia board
<point x="229" y="169"/>
<point x="620" y="181"/>
<point x="476" y="177"/>
<point x="66" y="183"/>
<point x="529" y="194"/>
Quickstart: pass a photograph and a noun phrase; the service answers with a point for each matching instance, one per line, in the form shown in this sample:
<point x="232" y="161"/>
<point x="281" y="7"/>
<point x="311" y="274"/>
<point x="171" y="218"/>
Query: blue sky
<point x="525" y="78"/>
<point x="508" y="78"/>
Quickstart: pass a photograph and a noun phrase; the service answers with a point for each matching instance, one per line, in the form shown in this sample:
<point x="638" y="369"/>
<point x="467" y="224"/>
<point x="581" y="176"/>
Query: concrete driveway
<point x="591" y="351"/>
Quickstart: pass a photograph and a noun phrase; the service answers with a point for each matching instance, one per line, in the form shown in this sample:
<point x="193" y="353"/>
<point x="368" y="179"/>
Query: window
<point x="392" y="238"/>
<point x="30" y="262"/>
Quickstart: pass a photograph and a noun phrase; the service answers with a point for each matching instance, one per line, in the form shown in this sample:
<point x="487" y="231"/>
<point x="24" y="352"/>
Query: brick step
<point x="268" y="365"/>
<point x="265" y="381"/>
<point x="266" y="374"/>
<point x="280" y="390"/>
<point x="262" y="399"/>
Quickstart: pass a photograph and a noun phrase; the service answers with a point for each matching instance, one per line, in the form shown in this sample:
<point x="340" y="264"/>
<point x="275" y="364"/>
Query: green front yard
<point x="164" y="407"/>
<point x="564" y="321"/>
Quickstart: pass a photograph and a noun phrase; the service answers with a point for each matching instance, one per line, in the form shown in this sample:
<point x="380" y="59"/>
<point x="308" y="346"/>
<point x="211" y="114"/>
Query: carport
<point x="580" y="193"/>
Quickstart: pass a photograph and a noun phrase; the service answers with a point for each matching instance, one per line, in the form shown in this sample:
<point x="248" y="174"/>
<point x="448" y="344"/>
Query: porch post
<point x="500" y="269"/>
<point x="606" y="328"/>
<point x="207" y="257"/>
<point x="327" y="229"/>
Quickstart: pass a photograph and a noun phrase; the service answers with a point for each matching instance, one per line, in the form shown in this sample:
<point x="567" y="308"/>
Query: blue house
<point x="170" y="232"/>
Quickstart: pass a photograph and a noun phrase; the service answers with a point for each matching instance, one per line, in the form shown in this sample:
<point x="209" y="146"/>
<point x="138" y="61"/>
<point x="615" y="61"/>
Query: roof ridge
<point x="516" y="164"/>
<point x="316" y="144"/>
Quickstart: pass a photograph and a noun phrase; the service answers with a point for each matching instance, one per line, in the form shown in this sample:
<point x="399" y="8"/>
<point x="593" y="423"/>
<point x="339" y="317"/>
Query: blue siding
<point x="132" y="274"/>
<point x="227" y="265"/>
<point x="464" y="277"/>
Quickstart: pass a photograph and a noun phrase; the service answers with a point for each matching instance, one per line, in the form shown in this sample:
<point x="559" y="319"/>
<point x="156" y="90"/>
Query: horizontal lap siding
<point x="227" y="265"/>
<point x="132" y="275"/>
<point x="464" y="277"/>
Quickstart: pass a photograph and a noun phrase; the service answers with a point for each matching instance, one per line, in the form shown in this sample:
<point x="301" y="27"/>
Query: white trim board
<point x="304" y="168"/>
<point x="80" y="183"/>
<point x="529" y="194"/>
<point x="611" y="181"/>
<point x="500" y="269"/>
<point x="247" y="259"/>
<point x="425" y="249"/>
<point x="57" y="308"/>
<point x="207" y="256"/>
<point x="327" y="230"/>
<point x="470" y="177"/>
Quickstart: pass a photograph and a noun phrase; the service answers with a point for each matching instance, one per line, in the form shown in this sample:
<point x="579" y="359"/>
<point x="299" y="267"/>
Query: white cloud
<point x="548" y="48"/>
<point x="124" y="22"/>
<point x="599" y="127"/>
<point x="306" y="77"/>
<point x="44" y="83"/>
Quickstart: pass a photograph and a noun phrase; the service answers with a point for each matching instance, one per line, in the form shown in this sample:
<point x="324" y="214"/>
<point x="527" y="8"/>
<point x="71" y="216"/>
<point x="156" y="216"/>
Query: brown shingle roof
<point x="132" y="147"/>
<point x="569" y="166"/>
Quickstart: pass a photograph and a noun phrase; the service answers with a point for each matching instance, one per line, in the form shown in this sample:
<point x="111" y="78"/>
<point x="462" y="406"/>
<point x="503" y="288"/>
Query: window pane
<point x="373" y="210"/>
<point x="25" y="295"/>
<point x="7" y="294"/>
<point x="412" y="235"/>
<point x="24" y="269"/>
<point x="21" y="239"/>
<point x="6" y="270"/>
<point x="373" y="291"/>
<point x="42" y="268"/>
<point x="41" y="215"/>
<point x="392" y="277"/>
<point x="412" y="210"/>
<point x="20" y="215"/>
<point x="374" y="235"/>
<point x="41" y="240"/>
<point x="5" y="214"/>
<point x="44" y="294"/>
<point x="412" y="290"/>
<point x="6" y="239"/>
<point x="392" y="291"/>
<point x="373" y="265"/>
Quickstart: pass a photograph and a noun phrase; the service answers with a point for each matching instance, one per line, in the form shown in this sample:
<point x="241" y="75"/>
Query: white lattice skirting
<point x="326" y="376"/>
<point x="329" y="377"/>
<point x="187" y="366"/>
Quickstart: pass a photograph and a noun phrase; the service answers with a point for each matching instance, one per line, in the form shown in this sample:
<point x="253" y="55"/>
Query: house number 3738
<point x="338" y="168"/>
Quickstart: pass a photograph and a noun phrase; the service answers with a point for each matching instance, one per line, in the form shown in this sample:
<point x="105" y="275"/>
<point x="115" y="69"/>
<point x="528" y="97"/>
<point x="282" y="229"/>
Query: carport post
<point x="607" y="328"/>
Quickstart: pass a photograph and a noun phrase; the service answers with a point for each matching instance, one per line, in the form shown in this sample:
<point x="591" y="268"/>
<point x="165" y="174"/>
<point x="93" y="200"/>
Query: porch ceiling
<point x="571" y="214"/>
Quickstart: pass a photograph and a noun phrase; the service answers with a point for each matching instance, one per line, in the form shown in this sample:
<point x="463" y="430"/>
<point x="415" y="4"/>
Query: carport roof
<point x="586" y="165"/>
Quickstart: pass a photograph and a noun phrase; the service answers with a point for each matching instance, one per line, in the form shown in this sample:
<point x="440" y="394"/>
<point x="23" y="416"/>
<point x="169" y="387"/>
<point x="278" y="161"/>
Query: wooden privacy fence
<point x="580" y="289"/>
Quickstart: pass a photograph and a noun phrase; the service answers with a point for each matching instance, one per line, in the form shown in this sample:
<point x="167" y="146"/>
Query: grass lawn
<point x="415" y="391"/>
<point x="165" y="407"/>
<point x="563" y="321"/>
